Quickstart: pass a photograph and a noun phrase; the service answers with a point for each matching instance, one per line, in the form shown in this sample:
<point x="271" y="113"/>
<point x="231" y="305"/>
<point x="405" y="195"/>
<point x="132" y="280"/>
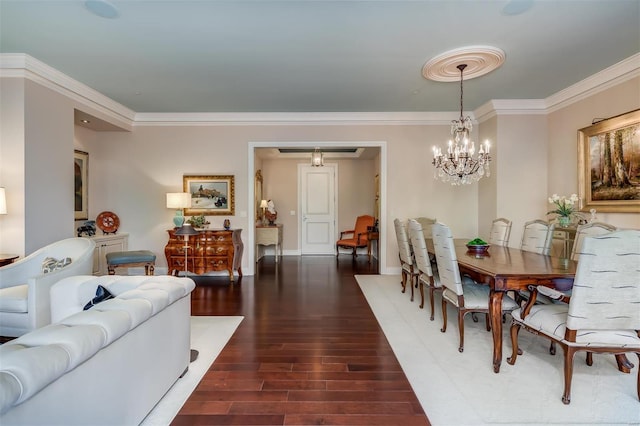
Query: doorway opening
<point x="306" y="145"/>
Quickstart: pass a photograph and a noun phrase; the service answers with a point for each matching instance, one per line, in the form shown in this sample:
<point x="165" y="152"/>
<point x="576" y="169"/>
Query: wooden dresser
<point x="210" y="250"/>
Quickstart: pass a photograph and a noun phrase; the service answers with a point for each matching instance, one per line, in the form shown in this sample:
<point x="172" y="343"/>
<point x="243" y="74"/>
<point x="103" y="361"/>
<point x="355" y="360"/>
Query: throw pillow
<point x="102" y="294"/>
<point x="50" y="264"/>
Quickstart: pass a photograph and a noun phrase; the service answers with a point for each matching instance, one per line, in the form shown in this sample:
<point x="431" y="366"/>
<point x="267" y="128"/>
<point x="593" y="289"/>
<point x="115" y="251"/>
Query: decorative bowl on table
<point x="478" y="245"/>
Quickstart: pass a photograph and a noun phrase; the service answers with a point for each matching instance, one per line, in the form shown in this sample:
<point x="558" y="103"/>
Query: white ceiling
<point x="317" y="56"/>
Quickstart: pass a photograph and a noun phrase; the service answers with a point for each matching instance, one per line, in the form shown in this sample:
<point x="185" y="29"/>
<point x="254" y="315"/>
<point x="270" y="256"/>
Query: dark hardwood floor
<point x="309" y="351"/>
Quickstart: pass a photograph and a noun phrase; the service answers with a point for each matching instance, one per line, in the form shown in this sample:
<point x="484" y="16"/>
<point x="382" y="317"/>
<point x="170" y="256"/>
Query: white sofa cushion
<point x="80" y="341"/>
<point x="139" y="310"/>
<point x="113" y="324"/>
<point x="14" y="299"/>
<point x="32" y="367"/>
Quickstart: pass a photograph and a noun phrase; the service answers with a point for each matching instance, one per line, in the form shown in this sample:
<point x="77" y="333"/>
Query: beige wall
<point x="521" y="170"/>
<point x="12" y="173"/>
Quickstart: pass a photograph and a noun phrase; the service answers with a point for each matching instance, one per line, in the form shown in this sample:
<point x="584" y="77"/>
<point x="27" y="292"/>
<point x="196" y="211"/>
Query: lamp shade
<point x="3" y="202"/>
<point x="178" y="200"/>
<point x="186" y="229"/>
<point x="263" y="204"/>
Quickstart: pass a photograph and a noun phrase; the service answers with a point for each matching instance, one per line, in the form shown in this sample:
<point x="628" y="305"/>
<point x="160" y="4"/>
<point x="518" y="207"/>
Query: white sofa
<point x="108" y="365"/>
<point x="24" y="288"/>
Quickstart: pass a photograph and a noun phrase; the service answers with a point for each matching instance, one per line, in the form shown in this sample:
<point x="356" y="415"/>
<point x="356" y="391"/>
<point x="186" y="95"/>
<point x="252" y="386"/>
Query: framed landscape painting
<point x="210" y="195"/>
<point x="609" y="164"/>
<point x="81" y="183"/>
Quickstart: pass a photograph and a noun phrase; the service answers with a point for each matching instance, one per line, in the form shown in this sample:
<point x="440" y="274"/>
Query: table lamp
<point x="263" y="206"/>
<point x="186" y="231"/>
<point x="178" y="201"/>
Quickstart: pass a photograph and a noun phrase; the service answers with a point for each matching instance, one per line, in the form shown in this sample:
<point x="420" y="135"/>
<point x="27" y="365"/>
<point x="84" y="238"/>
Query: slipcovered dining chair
<point x="409" y="271"/>
<point x="461" y="292"/>
<point x="537" y="237"/>
<point x="426" y="223"/>
<point x="588" y="230"/>
<point x="500" y="232"/>
<point x="427" y="275"/>
<point x="359" y="235"/>
<point x="602" y="314"/>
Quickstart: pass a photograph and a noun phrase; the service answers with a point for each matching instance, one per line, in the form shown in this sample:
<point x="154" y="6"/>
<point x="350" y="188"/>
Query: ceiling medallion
<point x="479" y="60"/>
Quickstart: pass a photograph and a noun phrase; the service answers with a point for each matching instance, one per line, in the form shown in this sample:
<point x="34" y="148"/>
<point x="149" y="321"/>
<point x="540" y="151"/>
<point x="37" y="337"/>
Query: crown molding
<point x="510" y="107"/>
<point x="28" y="67"/>
<point x="616" y="74"/>
<point x="294" y="118"/>
<point x="25" y="66"/>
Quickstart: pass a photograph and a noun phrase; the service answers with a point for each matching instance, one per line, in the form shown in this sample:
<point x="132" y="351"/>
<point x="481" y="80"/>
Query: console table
<point x="267" y="236"/>
<point x="210" y="250"/>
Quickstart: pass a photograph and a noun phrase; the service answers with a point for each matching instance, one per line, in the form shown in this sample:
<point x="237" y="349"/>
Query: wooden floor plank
<point x="309" y="351"/>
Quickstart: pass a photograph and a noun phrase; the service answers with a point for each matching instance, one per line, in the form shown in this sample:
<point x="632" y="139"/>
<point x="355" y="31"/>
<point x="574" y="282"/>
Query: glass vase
<point x="564" y="221"/>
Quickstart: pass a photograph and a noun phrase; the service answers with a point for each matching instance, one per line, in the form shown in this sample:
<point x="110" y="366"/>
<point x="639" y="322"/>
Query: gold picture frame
<point x="609" y="164"/>
<point x="210" y="195"/>
<point x="81" y="183"/>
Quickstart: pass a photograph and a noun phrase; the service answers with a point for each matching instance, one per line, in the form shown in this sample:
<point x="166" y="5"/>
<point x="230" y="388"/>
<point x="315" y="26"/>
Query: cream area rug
<point x="209" y="335"/>
<point x="461" y="388"/>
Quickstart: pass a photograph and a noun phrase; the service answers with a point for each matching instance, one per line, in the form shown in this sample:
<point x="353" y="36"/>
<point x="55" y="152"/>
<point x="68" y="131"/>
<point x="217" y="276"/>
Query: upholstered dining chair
<point x="359" y="235"/>
<point x="583" y="231"/>
<point x="587" y="230"/>
<point x="537" y="237"/>
<point x="409" y="271"/>
<point x="461" y="292"/>
<point x="426" y="223"/>
<point x="602" y="314"/>
<point x="427" y="275"/>
<point x="500" y="232"/>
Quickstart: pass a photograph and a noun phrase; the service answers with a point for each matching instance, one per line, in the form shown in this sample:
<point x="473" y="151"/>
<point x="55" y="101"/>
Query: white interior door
<point x="317" y="208"/>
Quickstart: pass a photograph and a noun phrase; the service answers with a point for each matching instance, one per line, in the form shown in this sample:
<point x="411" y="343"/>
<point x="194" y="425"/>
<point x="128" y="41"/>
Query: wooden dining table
<point x="506" y="269"/>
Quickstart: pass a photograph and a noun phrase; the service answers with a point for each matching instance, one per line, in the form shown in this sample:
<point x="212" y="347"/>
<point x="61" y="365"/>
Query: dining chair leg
<point x="410" y="279"/>
<point x="461" y="330"/>
<point x="515" y="329"/>
<point x="624" y="365"/>
<point x="431" y="301"/>
<point x="589" y="359"/>
<point x="444" y="316"/>
<point x="569" y="352"/>
<point x="421" y="293"/>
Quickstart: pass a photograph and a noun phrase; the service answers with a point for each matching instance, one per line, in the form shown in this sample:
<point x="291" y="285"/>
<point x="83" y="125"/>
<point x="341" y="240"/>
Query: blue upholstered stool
<point x="144" y="258"/>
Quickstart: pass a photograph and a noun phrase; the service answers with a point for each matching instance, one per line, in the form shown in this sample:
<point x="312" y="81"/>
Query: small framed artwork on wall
<point x="81" y="182"/>
<point x="210" y="195"/>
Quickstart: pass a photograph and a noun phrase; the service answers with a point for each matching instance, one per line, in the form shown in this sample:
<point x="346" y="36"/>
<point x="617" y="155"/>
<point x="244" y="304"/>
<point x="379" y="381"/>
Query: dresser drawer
<point x="220" y="250"/>
<point x="212" y="263"/>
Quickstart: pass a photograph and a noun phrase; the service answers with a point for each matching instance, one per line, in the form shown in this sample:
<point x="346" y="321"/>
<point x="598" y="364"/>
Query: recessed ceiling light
<point x="517" y="7"/>
<point x="85" y="121"/>
<point x="102" y="8"/>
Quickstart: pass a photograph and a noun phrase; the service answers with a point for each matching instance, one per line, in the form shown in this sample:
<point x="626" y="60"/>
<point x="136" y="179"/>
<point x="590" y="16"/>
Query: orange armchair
<point x="359" y="235"/>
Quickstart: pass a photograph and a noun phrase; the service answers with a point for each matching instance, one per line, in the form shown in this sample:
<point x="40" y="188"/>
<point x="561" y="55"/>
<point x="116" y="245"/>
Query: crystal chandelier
<point x="460" y="165"/>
